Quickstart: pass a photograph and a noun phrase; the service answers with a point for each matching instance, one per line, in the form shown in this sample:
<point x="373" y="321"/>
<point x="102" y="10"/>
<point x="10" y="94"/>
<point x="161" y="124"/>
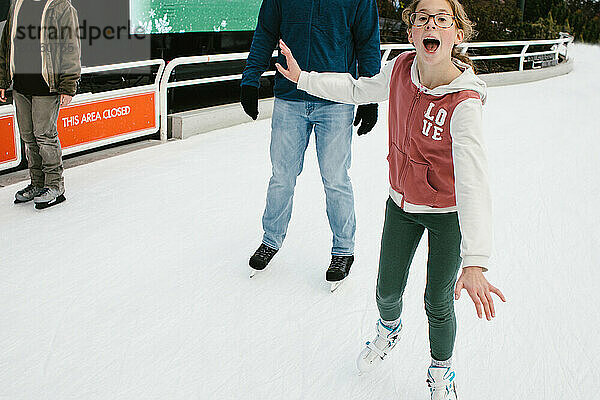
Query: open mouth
<point x="431" y="44"/>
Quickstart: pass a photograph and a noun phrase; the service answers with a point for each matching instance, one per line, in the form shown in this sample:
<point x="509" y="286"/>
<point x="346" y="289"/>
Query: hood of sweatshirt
<point x="465" y="81"/>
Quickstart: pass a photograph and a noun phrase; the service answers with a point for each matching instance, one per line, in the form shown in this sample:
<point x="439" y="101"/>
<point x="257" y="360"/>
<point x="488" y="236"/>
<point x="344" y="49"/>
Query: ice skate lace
<point x="265" y="252"/>
<point x="43" y="192"/>
<point x="338" y="262"/>
<point x="29" y="188"/>
<point x="439" y="386"/>
<point x="445" y="386"/>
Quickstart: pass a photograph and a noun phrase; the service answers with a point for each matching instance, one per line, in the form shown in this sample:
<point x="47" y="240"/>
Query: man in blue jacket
<point x="325" y="36"/>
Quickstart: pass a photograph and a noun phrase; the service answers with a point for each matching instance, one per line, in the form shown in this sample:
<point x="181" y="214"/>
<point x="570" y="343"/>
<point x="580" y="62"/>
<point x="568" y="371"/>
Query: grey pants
<point x="37" y="117"/>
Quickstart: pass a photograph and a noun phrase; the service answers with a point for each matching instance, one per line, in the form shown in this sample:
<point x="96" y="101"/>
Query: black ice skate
<point x="48" y="197"/>
<point x="338" y="270"/>
<point x="261" y="257"/>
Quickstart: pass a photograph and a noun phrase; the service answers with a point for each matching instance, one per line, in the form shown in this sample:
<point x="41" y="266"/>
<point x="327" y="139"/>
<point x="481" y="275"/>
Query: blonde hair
<point x="462" y="22"/>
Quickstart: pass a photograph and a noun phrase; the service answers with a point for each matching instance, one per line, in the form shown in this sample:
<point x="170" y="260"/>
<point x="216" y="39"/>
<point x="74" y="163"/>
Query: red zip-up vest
<point x="420" y="144"/>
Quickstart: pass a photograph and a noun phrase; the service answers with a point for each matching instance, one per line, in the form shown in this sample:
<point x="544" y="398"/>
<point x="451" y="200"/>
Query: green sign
<point x="178" y="16"/>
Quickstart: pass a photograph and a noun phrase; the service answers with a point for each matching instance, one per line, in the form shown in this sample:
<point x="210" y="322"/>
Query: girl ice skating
<point x="438" y="179"/>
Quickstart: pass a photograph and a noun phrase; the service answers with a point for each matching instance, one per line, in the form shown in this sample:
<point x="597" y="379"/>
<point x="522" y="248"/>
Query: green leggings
<point x="402" y="232"/>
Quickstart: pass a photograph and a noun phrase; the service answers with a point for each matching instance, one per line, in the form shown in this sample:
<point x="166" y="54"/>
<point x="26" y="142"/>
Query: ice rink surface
<point x="137" y="286"/>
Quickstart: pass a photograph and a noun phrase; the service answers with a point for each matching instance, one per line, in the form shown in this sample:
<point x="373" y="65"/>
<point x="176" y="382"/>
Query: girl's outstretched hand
<point x="293" y="71"/>
<point x="479" y="289"/>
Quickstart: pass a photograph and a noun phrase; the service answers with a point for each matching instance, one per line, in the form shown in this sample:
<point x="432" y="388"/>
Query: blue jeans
<point x="291" y="127"/>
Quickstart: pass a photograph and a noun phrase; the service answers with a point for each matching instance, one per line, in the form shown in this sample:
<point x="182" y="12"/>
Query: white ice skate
<point x="375" y="351"/>
<point x="441" y="383"/>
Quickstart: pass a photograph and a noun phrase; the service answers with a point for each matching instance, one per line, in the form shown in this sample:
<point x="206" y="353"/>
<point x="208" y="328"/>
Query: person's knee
<point x="46" y="137"/>
<point x="286" y="172"/>
<point x="335" y="177"/>
<point x="27" y="136"/>
<point x="439" y="307"/>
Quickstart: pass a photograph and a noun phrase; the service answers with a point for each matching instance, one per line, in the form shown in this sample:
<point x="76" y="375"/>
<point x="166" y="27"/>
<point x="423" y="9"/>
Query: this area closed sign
<point x="90" y="122"/>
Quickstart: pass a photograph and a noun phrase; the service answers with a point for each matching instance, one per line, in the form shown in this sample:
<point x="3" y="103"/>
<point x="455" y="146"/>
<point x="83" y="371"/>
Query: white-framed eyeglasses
<point x="441" y="20"/>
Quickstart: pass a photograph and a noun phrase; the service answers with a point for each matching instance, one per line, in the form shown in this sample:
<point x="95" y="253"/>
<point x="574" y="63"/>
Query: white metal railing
<point x="563" y="41"/>
<point x="106" y="95"/>
<point x="118" y="66"/>
<point x="165" y="85"/>
<point x="85" y="97"/>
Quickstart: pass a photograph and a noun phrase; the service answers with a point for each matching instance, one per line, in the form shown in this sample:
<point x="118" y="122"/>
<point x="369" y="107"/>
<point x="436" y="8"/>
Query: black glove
<point x="249" y="99"/>
<point x="367" y="113"/>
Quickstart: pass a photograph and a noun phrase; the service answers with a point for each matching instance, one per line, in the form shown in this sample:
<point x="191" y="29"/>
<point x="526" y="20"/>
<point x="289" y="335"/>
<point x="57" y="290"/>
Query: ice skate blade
<point x="254" y="272"/>
<point x="335" y="285"/>
<point x="17" y="201"/>
<point x="58" y="200"/>
<point x="365" y="367"/>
